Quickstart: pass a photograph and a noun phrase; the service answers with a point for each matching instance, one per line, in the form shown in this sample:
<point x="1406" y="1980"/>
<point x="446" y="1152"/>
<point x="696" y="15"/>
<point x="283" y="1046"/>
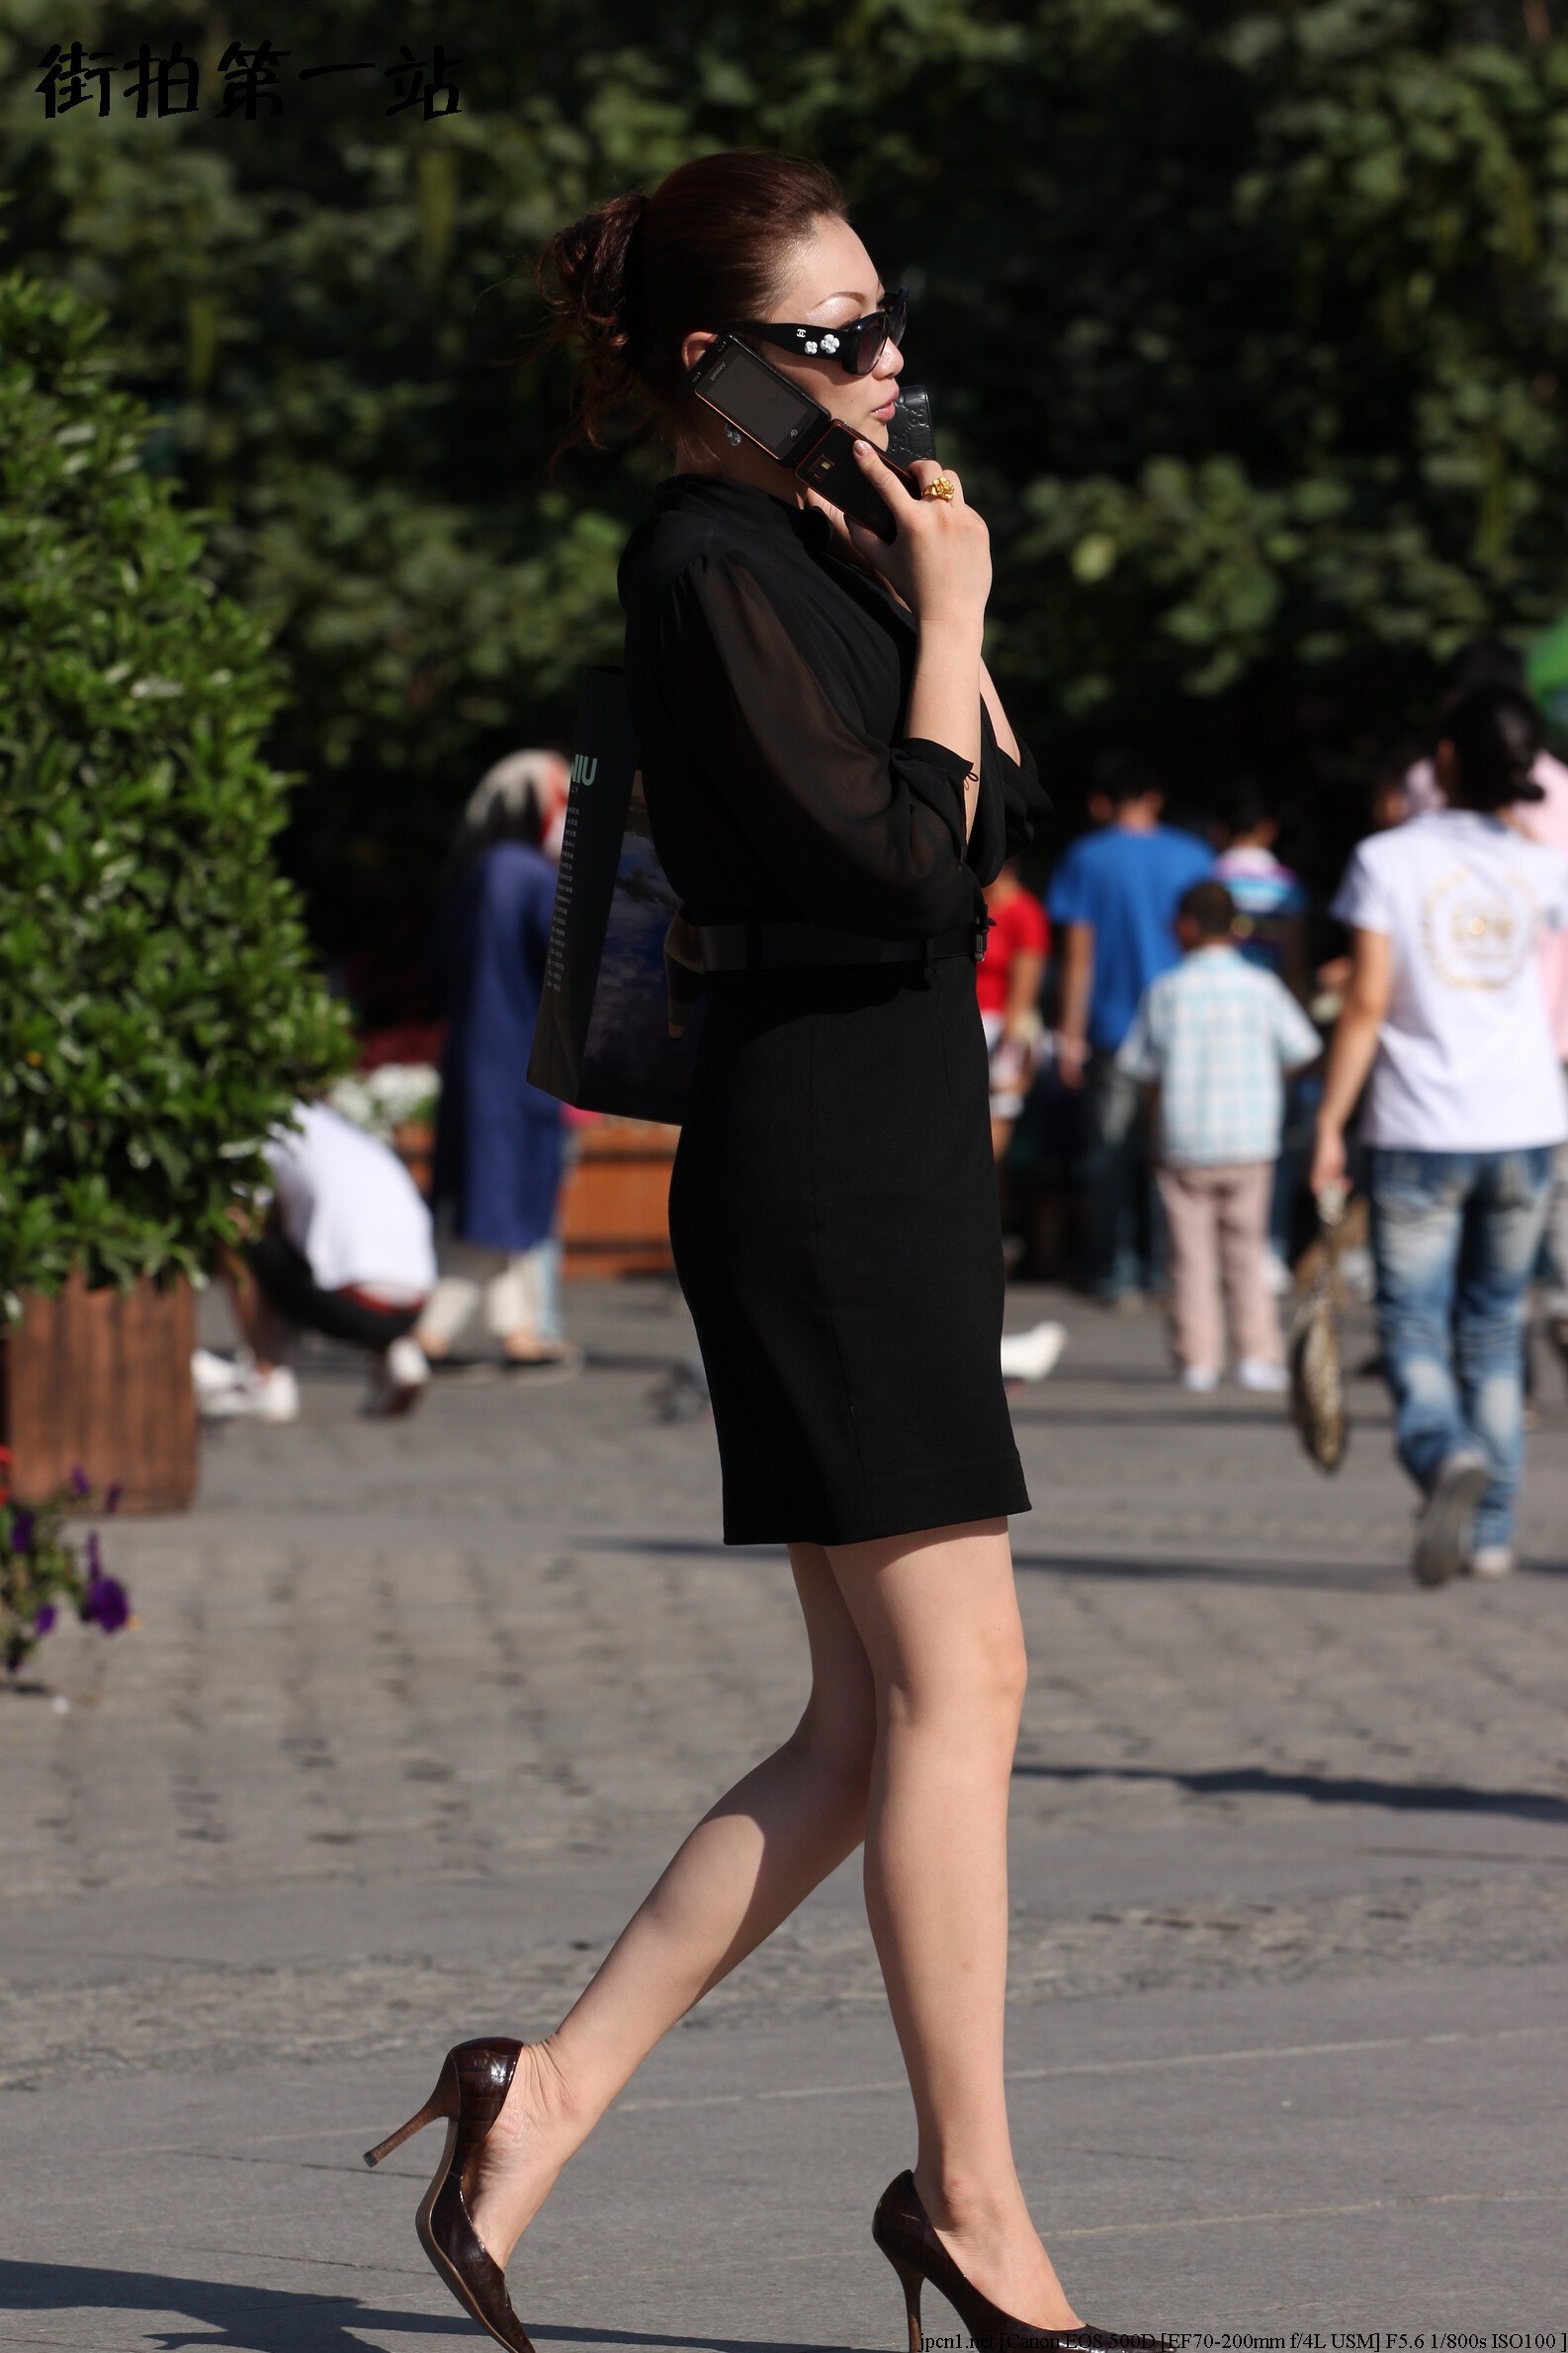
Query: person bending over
<point x="345" y="1250"/>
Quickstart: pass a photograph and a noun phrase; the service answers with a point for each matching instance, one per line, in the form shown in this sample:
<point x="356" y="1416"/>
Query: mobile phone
<point x="775" y="415"/>
<point x="910" y="434"/>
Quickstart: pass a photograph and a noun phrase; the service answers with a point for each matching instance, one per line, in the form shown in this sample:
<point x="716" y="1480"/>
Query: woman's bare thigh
<point x="937" y="1611"/>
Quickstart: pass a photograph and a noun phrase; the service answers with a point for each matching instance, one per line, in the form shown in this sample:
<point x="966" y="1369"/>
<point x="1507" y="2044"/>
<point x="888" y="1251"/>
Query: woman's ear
<point x="694" y="345"/>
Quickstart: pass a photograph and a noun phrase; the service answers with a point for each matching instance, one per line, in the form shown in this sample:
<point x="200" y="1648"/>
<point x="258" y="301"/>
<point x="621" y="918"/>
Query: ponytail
<point x="584" y="275"/>
<point x="1496" y="735"/>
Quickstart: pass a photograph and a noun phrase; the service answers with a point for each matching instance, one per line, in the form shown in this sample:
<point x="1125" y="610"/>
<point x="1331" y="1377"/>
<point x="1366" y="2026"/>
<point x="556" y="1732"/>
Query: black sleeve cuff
<point x="936" y="777"/>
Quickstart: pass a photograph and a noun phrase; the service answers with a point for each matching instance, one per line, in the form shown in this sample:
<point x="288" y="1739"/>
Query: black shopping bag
<point x="603" y="1040"/>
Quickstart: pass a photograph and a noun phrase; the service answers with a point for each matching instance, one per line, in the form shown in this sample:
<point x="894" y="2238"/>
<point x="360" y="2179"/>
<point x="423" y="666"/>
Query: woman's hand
<point x="938" y="567"/>
<point x="940" y="561"/>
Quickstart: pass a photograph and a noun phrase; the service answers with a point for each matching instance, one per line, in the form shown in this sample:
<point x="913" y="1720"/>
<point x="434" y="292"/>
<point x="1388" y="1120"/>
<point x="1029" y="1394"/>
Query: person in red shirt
<point x="1008" y="985"/>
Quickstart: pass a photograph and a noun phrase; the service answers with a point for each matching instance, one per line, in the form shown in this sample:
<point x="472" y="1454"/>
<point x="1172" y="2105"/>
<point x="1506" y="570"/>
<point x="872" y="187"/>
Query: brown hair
<point x="631" y="279"/>
<point x="1210" y="906"/>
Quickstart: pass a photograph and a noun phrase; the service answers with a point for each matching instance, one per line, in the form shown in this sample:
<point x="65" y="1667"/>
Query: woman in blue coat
<point x="498" y="1140"/>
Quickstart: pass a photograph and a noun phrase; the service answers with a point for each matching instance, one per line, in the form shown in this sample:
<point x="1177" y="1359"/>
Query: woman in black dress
<point x="831" y="781"/>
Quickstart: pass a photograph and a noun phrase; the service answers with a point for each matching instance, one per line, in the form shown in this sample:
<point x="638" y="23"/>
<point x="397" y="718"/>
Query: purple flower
<point x="106" y="1604"/>
<point x="43" y="1618"/>
<point x="112" y="1499"/>
<point x="22" y="1526"/>
<point x="80" y="1483"/>
<point x="95" y="1557"/>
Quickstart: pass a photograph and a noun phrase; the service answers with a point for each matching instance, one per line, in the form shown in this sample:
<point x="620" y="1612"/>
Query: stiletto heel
<point x="913" y="2281"/>
<point x="443" y="2101"/>
<point x="904" y="2231"/>
<point x="475" y="2080"/>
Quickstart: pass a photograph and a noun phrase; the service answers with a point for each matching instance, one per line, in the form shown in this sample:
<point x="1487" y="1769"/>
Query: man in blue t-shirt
<point x="1114" y="894"/>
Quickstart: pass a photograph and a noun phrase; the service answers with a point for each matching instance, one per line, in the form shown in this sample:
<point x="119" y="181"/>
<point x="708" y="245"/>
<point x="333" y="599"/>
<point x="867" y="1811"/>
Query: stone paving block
<point x="416" y="1712"/>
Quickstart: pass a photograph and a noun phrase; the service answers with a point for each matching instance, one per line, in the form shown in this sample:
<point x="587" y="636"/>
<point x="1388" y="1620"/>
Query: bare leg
<point x="743" y="1870"/>
<point x="915" y="1644"/>
<point x="520" y="1307"/>
<point x="939" y="1620"/>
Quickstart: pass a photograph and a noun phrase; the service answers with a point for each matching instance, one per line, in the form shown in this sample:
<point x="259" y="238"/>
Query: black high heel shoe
<point x="903" y="2230"/>
<point x="476" y="2078"/>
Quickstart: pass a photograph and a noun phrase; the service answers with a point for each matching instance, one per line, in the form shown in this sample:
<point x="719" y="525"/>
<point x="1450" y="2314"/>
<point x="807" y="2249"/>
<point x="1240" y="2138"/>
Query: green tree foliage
<point x="1246" y="319"/>
<point x="1314" y="436"/>
<point x="157" y="1008"/>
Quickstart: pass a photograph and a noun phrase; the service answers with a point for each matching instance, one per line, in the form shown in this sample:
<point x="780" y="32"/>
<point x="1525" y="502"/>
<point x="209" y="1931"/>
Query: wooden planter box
<point x="103" y="1378"/>
<point x="615" y="1202"/>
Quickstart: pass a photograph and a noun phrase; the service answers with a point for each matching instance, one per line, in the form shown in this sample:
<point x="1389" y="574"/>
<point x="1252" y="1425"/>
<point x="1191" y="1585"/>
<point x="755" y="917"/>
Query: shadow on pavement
<point x="697" y="2344"/>
<point x="1255" y="1781"/>
<point x="681" y="1547"/>
<point x="1310" y="1575"/>
<point x="1036" y="1409"/>
<point x="279" y="2321"/>
<point x="227" y="2313"/>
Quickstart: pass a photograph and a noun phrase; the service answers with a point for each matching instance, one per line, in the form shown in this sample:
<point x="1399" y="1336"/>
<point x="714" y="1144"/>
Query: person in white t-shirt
<point x="1544" y="816"/>
<point x="1464" y="1109"/>
<point x="347" y="1250"/>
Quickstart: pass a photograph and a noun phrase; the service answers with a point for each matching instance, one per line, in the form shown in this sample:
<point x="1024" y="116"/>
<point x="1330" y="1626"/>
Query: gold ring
<point x="940" y="488"/>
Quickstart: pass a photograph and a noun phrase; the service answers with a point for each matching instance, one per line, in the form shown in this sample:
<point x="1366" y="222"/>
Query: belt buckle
<point x="981" y="932"/>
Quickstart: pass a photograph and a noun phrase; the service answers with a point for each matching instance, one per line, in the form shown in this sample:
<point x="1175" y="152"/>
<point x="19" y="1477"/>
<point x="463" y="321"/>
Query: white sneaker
<point x="1442" y="1532"/>
<point x="1032" y="1355"/>
<point x="401" y="1379"/>
<point x="257" y="1397"/>
<point x="1492" y="1560"/>
<point x="1254" y="1372"/>
<point x="1201" y="1377"/>
<point x="212" y="1375"/>
<point x="1277" y="1274"/>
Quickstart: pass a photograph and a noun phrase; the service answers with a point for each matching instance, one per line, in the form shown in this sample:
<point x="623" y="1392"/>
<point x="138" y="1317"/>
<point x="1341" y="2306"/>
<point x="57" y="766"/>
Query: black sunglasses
<point x="856" y="347"/>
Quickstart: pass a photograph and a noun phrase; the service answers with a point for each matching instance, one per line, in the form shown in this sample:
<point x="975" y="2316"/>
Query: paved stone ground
<point x="416" y="1713"/>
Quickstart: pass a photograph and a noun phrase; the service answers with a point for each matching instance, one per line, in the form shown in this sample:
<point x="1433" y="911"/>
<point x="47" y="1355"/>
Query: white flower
<point x="383" y="1099"/>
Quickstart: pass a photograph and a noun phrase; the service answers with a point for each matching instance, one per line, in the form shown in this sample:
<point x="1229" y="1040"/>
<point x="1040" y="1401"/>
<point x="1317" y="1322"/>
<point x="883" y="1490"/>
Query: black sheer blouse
<point x="768" y="682"/>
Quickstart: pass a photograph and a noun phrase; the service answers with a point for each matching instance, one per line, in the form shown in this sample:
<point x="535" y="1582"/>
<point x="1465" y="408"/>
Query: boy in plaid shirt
<point x="1217" y="1037"/>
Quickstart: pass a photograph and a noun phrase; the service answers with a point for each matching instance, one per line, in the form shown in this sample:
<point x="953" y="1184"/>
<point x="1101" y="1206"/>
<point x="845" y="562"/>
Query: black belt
<point x="775" y="947"/>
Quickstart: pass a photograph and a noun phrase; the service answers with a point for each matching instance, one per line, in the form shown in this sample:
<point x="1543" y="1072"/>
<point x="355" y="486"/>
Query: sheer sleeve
<point x="858" y="832"/>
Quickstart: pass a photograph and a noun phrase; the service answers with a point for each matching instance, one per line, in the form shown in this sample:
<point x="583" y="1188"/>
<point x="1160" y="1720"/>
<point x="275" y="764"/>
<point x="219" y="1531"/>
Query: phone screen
<point x="747" y="392"/>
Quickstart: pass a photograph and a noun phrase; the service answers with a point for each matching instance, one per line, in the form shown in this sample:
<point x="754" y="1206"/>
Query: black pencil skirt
<point x="834" y="1224"/>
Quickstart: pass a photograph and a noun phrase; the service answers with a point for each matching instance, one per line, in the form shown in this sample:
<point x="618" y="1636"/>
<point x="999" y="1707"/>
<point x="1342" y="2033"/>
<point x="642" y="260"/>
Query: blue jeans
<point x="1455" y="1236"/>
<point x="1116" y="1177"/>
